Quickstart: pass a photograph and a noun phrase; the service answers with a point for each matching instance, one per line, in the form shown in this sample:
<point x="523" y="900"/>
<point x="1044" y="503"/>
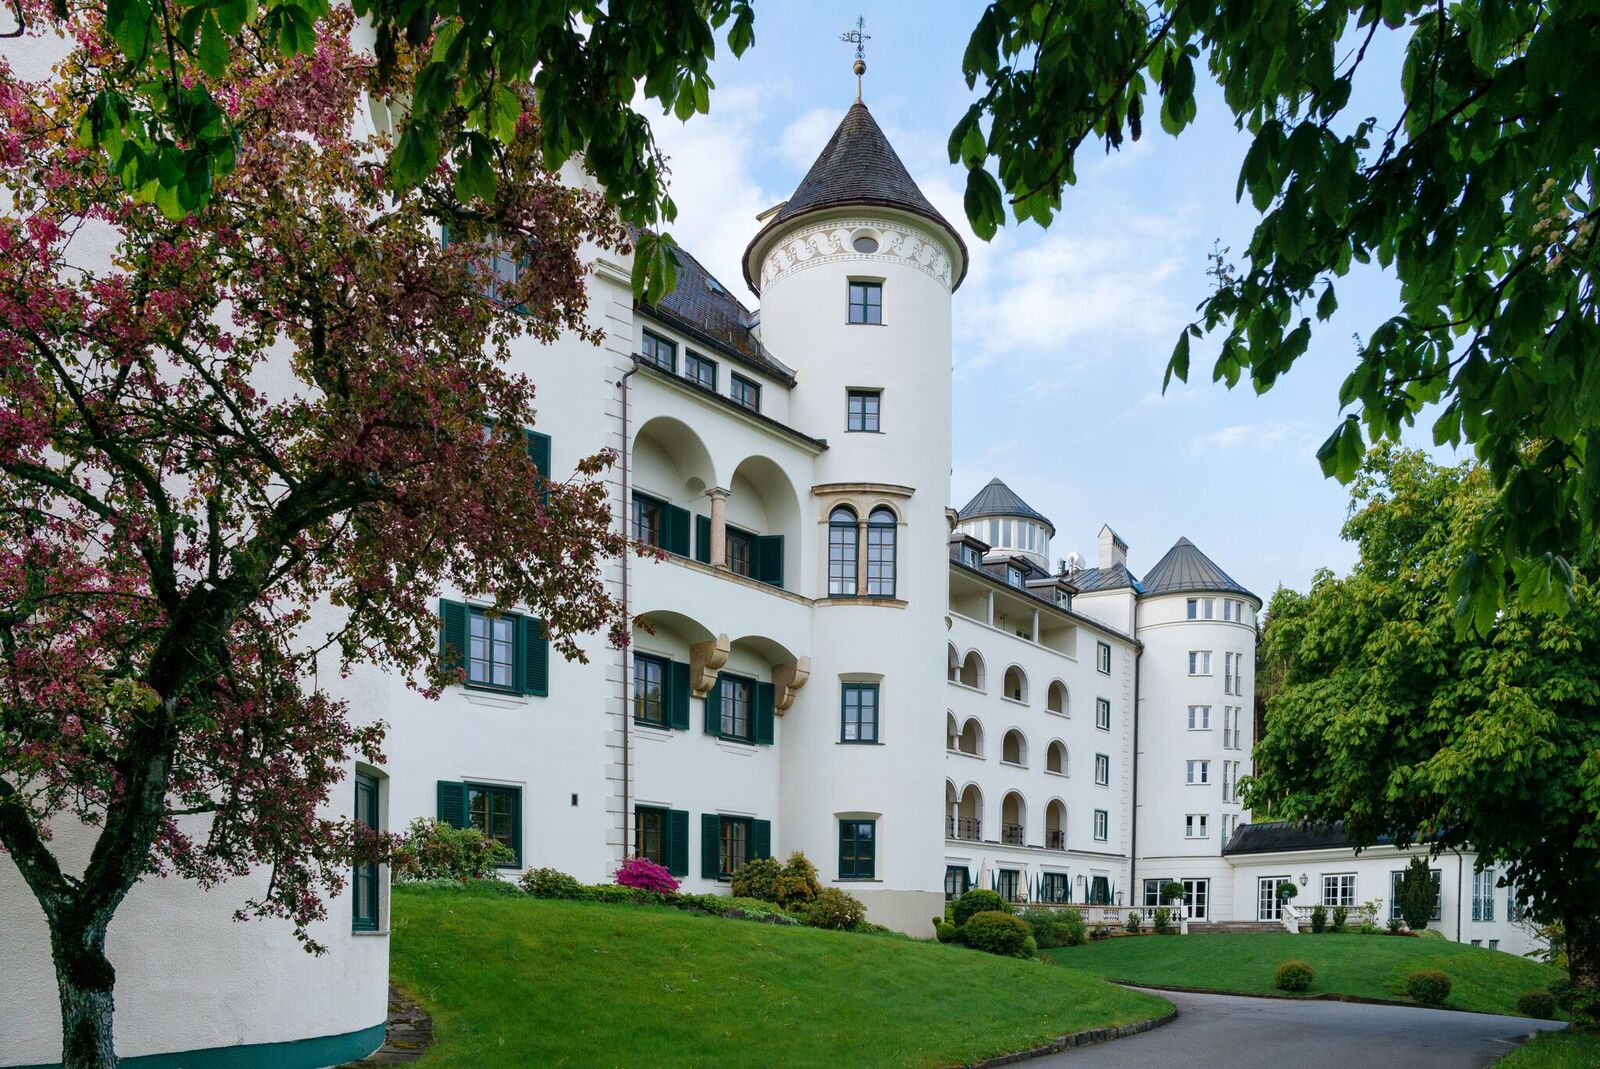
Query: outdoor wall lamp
<point x="1303" y="880"/>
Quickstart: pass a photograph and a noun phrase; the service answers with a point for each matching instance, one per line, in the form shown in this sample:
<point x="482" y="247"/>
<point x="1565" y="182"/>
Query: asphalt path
<point x="1258" y="1033"/>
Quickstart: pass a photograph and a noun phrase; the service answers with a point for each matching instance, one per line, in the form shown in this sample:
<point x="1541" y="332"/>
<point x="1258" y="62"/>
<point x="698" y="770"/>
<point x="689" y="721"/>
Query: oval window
<point x="865" y="243"/>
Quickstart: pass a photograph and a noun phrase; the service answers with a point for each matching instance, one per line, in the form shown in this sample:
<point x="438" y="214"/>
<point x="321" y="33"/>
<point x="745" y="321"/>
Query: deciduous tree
<point x="1392" y="721"/>
<point x="246" y="441"/>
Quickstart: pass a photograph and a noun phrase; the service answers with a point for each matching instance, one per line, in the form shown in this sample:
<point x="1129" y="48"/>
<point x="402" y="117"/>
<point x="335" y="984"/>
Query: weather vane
<point x="858" y="37"/>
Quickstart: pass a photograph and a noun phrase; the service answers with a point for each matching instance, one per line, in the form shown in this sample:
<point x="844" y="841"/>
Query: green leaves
<point x="1340" y="455"/>
<point x="654" y="266"/>
<point x="982" y="201"/>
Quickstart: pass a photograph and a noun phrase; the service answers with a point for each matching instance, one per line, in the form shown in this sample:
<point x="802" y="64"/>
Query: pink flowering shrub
<point x="646" y="874"/>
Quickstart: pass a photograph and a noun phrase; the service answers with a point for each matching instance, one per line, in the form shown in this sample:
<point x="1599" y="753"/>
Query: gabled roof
<point x="1116" y="577"/>
<point x="998" y="499"/>
<point x="699" y="304"/>
<point x="1186" y="569"/>
<point x="857" y="166"/>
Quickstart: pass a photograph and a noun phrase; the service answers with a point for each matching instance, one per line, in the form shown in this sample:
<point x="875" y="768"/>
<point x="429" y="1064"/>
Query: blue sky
<point x="1061" y="335"/>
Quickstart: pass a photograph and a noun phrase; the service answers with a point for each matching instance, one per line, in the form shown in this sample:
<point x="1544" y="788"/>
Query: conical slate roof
<point x="1185" y="569"/>
<point x="857" y="166"/>
<point x="998" y="499"/>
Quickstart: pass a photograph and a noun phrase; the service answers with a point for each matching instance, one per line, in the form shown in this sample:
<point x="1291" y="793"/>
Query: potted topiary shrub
<point x="1287" y="890"/>
<point x="1171" y="891"/>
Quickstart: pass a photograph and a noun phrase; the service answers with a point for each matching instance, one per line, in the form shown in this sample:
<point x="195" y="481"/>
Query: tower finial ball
<point x="860" y="67"/>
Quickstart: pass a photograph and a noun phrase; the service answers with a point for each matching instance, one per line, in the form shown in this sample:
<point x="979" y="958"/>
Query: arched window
<point x="953" y="666"/>
<point x="1056" y="698"/>
<point x="1014" y="748"/>
<point x="1016" y="684"/>
<point x="880" y="553"/>
<point x="972" y="670"/>
<point x="844" y="548"/>
<point x="1055" y="758"/>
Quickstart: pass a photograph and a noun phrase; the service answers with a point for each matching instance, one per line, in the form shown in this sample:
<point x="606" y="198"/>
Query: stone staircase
<point x="1233" y="927"/>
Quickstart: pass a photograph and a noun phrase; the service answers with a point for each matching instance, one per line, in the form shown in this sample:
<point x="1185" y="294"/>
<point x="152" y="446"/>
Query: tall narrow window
<point x="843" y="551"/>
<point x="858" y="849"/>
<point x="1102" y="713"/>
<point x="1102" y="827"/>
<point x="880" y="553"/>
<point x="491" y="652"/>
<point x="1102" y="658"/>
<point x="497" y="813"/>
<point x="858" y="713"/>
<point x="735" y="845"/>
<point x="649" y="690"/>
<point x="364" y="880"/>
<point x="861" y="410"/>
<point x="866" y="302"/>
<point x="1199" y="662"/>
<point x="650" y="833"/>
<point x="737" y="700"/>
<point x="1102" y="770"/>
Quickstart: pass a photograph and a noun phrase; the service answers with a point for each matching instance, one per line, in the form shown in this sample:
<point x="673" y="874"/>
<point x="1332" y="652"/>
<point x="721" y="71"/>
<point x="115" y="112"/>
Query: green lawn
<point x="1555" y="1050"/>
<point x="519" y="981"/>
<point x="1374" y="966"/>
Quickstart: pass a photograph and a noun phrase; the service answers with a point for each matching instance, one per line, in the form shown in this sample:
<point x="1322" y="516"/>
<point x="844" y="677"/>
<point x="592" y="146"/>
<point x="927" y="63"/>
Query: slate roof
<point x="857" y="166"/>
<point x="1284" y="836"/>
<point x="1115" y="577"/>
<point x="702" y="306"/>
<point x="998" y="499"/>
<point x="1185" y="568"/>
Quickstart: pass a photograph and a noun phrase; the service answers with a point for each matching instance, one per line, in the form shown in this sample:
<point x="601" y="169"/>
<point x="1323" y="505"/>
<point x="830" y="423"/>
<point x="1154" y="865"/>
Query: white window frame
<point x="1197" y="825"/>
<point x="1102" y="825"/>
<point x="1102" y="770"/>
<point x="1344" y="889"/>
<point x="1199" y="662"/>
<point x="1102" y="714"/>
<point x="1197" y="772"/>
<point x="1202" y="722"/>
<point x="1102" y="658"/>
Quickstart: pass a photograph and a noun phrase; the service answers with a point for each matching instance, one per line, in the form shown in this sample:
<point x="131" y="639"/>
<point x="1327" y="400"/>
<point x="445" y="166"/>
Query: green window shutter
<point x="844" y="832"/>
<point x="714" y="708"/>
<point x="516" y="825"/>
<point x="452" y="635"/>
<point x="710" y="845"/>
<point x="768" y="551"/>
<point x="760" y="838"/>
<point x="453" y="804"/>
<point x="539" y="453"/>
<point x="535" y="656"/>
<point x="764" y="713"/>
<point x="678" y="695"/>
<point x="677" y="850"/>
<point x="675" y="539"/>
<point x="702" y="539"/>
<point x="444" y="236"/>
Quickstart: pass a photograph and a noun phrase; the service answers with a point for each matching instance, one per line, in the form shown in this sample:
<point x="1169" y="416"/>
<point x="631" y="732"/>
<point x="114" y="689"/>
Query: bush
<point x="611" y="894"/>
<point x="754" y="909"/>
<point x="1170" y="891"/>
<point x="550" y="883"/>
<point x="1561" y="991"/>
<point x="1395" y="924"/>
<point x="994" y="932"/>
<point x="1540" y="1004"/>
<point x="646" y="875"/>
<point x="946" y="932"/>
<point x="1134" y="923"/>
<point x="1293" y="975"/>
<point x="758" y="879"/>
<point x="1341" y="916"/>
<point x="835" y="909"/>
<point x="493" y="884"/>
<point x="1428" y="986"/>
<point x="1056" y="927"/>
<point x="1161" y="920"/>
<point x="978" y="901"/>
<point x="433" y="850"/>
<point x="1099" y="931"/>
<point x="1416" y="893"/>
<point x="797" y="883"/>
<point x="1319" y="919"/>
<point x="713" y="904"/>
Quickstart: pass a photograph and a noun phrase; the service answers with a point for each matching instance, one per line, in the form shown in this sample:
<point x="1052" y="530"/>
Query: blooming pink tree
<point x="237" y="443"/>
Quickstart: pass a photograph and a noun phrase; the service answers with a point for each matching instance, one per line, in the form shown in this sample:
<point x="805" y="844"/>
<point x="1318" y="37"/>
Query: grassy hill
<point x="520" y="981"/>
<point x="1371" y="966"/>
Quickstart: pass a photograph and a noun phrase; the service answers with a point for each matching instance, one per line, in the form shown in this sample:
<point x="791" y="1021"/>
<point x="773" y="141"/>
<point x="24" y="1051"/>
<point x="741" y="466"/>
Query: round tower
<point x="855" y="272"/>
<point x="1008" y="525"/>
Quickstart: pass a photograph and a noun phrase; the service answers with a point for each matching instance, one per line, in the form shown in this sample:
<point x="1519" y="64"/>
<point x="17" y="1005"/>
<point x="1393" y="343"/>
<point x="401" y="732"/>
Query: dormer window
<point x="866" y="302"/>
<point x="1014" y="577"/>
<point x="969" y="556"/>
<point x="1063" y="599"/>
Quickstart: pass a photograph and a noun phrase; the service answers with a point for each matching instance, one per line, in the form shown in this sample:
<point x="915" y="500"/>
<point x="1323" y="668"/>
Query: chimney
<point x="1113" y="550"/>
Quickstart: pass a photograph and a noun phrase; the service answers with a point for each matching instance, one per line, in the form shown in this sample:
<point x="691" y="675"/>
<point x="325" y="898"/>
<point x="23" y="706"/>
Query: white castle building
<point x="829" y="659"/>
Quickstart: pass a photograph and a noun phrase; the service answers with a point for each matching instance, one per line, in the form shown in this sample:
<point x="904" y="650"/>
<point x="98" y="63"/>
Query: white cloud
<point x="804" y="137"/>
<point x="1253" y="436"/>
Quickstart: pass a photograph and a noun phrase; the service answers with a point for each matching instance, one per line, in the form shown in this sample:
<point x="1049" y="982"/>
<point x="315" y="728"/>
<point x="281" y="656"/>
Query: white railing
<point x="1117" y="916"/>
<point x="1296" y="917"/>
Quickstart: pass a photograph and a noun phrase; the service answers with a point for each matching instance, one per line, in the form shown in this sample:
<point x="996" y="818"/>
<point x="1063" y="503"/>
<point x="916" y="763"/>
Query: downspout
<point x="1461" y="864"/>
<point x="1133" y="788"/>
<point x="627" y="676"/>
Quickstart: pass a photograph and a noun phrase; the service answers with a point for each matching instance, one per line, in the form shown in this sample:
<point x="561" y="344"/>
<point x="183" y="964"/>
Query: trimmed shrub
<point x="1293" y="975"/>
<point x="646" y="875"/>
<point x="1161" y="920"/>
<point x="797" y="883"/>
<point x="1134" y="923"/>
<point x="1428" y="986"/>
<point x="1170" y="891"/>
<point x="1540" y="1004"/>
<point x="612" y="894"/>
<point x="1319" y="919"/>
<point x="552" y="883"/>
<point x="493" y="885"/>
<point x="758" y="879"/>
<point x="1341" y="917"/>
<point x="754" y="909"/>
<point x="946" y="932"/>
<point x="1056" y="927"/>
<point x="978" y="901"/>
<point x="835" y="909"/>
<point x="994" y="932"/>
<point x="433" y="850"/>
<point x="1287" y="890"/>
<point x="1561" y="991"/>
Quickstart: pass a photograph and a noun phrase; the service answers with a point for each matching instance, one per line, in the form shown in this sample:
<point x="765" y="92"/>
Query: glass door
<point x="1196" y="898"/>
<point x="1267" y="906"/>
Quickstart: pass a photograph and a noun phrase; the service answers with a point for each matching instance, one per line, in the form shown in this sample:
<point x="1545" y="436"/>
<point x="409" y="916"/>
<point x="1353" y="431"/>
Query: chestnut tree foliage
<point x="1392" y="721"/>
<point x="244" y="442"/>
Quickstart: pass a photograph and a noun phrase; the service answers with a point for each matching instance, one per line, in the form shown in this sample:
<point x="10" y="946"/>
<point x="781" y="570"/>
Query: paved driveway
<point x="1258" y="1033"/>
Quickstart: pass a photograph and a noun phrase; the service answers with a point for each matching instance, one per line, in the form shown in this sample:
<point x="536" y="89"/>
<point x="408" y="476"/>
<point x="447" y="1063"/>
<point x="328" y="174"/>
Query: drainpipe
<point x="1133" y="788"/>
<point x="627" y="676"/>
<point x="1460" y="865"/>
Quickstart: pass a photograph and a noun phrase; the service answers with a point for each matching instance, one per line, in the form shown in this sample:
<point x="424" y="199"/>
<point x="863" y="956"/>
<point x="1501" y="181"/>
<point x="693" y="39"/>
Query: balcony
<point x="962" y="828"/>
<point x="1055" y="840"/>
<point x="1011" y="834"/>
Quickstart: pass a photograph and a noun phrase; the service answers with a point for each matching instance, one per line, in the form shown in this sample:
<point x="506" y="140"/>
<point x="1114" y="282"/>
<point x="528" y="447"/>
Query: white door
<point x="1267" y="905"/>
<point x="1196" y="896"/>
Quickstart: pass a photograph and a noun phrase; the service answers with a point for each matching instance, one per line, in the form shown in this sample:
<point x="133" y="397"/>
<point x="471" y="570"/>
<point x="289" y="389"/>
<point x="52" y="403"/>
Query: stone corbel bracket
<point x="705" y="660"/>
<point x="788" y="678"/>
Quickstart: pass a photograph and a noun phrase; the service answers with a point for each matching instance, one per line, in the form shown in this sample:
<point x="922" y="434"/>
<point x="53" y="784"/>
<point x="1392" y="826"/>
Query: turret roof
<point x="998" y="499"/>
<point x="1186" y="569"/>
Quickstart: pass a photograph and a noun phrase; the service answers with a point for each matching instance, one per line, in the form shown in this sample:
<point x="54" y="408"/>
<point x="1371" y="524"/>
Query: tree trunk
<point x="1583" y="965"/>
<point x="84" y="981"/>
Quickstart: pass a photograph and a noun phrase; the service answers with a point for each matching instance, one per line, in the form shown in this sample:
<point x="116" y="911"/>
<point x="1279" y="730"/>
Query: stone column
<point x="719" y="526"/>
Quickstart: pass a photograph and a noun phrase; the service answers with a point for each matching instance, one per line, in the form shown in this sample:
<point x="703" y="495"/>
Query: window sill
<point x="963" y="753"/>
<point x="858" y="742"/>
<point x="384" y="932"/>
<point x="966" y="686"/>
<point x="1053" y="772"/>
<point x="1013" y="701"/>
<point x="860" y="430"/>
<point x="494" y="699"/>
<point x="862" y="599"/>
<point x="737" y="746"/>
<point x="858" y="879"/>
<point x="1013" y="764"/>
